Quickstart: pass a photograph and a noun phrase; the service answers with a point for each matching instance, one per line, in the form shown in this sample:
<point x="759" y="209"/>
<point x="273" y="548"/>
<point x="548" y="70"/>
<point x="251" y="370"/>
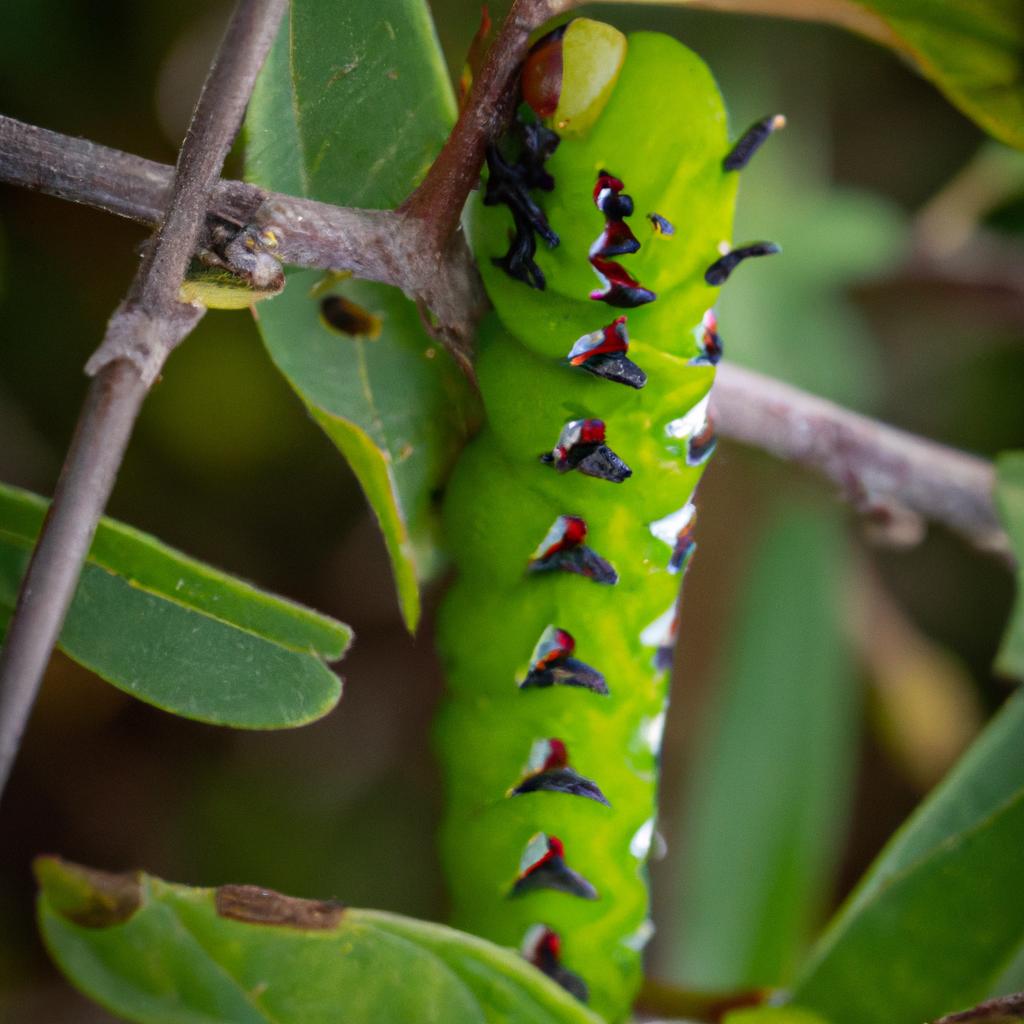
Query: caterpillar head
<point x="570" y="73"/>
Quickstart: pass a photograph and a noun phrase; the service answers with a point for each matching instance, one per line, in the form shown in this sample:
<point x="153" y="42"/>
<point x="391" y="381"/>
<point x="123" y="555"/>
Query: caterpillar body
<point x="570" y="517"/>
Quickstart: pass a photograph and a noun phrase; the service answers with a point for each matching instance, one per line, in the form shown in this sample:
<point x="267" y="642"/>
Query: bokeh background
<point x="900" y="293"/>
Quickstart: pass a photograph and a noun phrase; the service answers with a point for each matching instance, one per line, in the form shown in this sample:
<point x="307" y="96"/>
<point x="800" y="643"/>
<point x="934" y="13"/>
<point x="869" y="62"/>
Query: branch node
<point x="145" y="341"/>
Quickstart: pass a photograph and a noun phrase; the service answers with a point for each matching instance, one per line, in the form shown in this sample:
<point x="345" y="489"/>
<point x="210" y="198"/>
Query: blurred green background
<point x="898" y="293"/>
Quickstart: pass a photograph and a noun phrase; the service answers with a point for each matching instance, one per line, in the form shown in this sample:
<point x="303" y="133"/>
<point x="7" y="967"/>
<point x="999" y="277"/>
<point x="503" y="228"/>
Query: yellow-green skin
<point x="664" y="133"/>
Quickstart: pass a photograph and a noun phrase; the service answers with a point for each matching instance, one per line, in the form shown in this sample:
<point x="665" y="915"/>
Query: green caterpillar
<point x="570" y="517"/>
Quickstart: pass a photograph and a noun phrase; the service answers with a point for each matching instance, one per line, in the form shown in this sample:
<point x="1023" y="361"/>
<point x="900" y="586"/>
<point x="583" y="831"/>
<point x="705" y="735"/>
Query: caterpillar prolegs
<point x="569" y="517"/>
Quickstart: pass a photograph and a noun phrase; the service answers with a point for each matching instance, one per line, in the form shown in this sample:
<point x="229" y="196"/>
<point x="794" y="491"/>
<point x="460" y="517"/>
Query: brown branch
<point x="376" y="245"/>
<point x="439" y="200"/>
<point x="857" y="453"/>
<point x="1002" y="1010"/>
<point x="141" y="333"/>
<point x="313" y="234"/>
<point x="885" y="472"/>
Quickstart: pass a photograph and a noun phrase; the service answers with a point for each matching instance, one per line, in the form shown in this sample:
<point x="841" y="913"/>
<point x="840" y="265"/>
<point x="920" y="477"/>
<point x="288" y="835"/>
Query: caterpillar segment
<point x="558" y="631"/>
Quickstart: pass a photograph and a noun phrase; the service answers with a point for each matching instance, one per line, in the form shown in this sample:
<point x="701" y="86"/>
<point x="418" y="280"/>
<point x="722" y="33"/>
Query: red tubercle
<point x="550" y="945"/>
<point x="562" y="645"/>
<point x="558" y="755"/>
<point x="606" y="181"/>
<point x="613" y="339"/>
<point x="556" y="848"/>
<point x="617" y="239"/>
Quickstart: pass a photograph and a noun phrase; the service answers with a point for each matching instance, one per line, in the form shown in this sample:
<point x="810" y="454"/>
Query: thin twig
<point x="314" y="234"/>
<point x="376" y="245"/>
<point x="852" y="450"/>
<point x="1002" y="1010"/>
<point x="439" y="200"/>
<point x="886" y="473"/>
<point x="140" y="335"/>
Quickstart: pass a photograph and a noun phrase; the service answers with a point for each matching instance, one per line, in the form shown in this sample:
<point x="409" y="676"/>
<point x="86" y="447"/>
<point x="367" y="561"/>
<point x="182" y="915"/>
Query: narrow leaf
<point x="772" y="780"/>
<point x="158" y="953"/>
<point x="1010" y="502"/>
<point x="935" y="922"/>
<point x="351" y="108"/>
<point x="971" y="50"/>
<point x="179" y="634"/>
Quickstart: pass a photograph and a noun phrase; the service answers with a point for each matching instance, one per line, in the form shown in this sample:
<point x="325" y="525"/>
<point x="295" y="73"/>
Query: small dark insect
<point x="662" y="226"/>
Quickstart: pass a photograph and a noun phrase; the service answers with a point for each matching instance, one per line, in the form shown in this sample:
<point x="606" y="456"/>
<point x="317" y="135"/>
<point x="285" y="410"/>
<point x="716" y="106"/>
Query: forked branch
<point x="416" y="248"/>
<point x="140" y="335"/>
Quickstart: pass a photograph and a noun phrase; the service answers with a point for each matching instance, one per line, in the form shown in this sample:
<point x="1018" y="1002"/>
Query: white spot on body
<point x="692" y="423"/>
<point x="668" y="529"/>
<point x="640" y="844"/>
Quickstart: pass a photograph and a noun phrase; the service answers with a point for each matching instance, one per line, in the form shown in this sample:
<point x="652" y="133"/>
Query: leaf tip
<point x="87" y="896"/>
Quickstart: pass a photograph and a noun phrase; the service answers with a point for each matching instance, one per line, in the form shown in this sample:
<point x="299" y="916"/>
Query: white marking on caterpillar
<point x="651" y="732"/>
<point x="692" y="423"/>
<point x="662" y="631"/>
<point x="668" y="529"/>
<point x="639" y="938"/>
<point x="640" y="844"/>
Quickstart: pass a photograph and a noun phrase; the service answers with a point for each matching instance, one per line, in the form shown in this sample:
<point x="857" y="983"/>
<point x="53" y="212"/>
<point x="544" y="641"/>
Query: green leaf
<point x="971" y="50"/>
<point x="772" y="1015"/>
<point x="158" y="953"/>
<point x="181" y="635"/>
<point x="938" y="917"/>
<point x="1010" y="502"/>
<point x="772" y="780"/>
<point x="351" y="108"/>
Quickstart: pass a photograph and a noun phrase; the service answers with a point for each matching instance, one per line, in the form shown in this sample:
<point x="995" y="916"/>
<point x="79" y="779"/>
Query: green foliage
<point x="973" y="50"/>
<point x="771" y="782"/>
<point x="1010" y="501"/>
<point x="157" y="953"/>
<point x="181" y="635"/>
<point x="773" y="1015"/>
<point x="938" y="917"/>
<point x="351" y="108"/>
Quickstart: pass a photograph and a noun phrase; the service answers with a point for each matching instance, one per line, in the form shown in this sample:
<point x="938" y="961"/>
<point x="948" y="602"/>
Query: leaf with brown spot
<point x="87" y="896"/>
<point x="168" y="953"/>
<point x="254" y="905"/>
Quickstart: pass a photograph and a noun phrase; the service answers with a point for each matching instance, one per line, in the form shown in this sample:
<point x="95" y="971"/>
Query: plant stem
<point x="885" y="473"/>
<point x="101" y="436"/>
<point x="866" y="458"/>
<point x="140" y="335"/>
<point x="439" y="200"/>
